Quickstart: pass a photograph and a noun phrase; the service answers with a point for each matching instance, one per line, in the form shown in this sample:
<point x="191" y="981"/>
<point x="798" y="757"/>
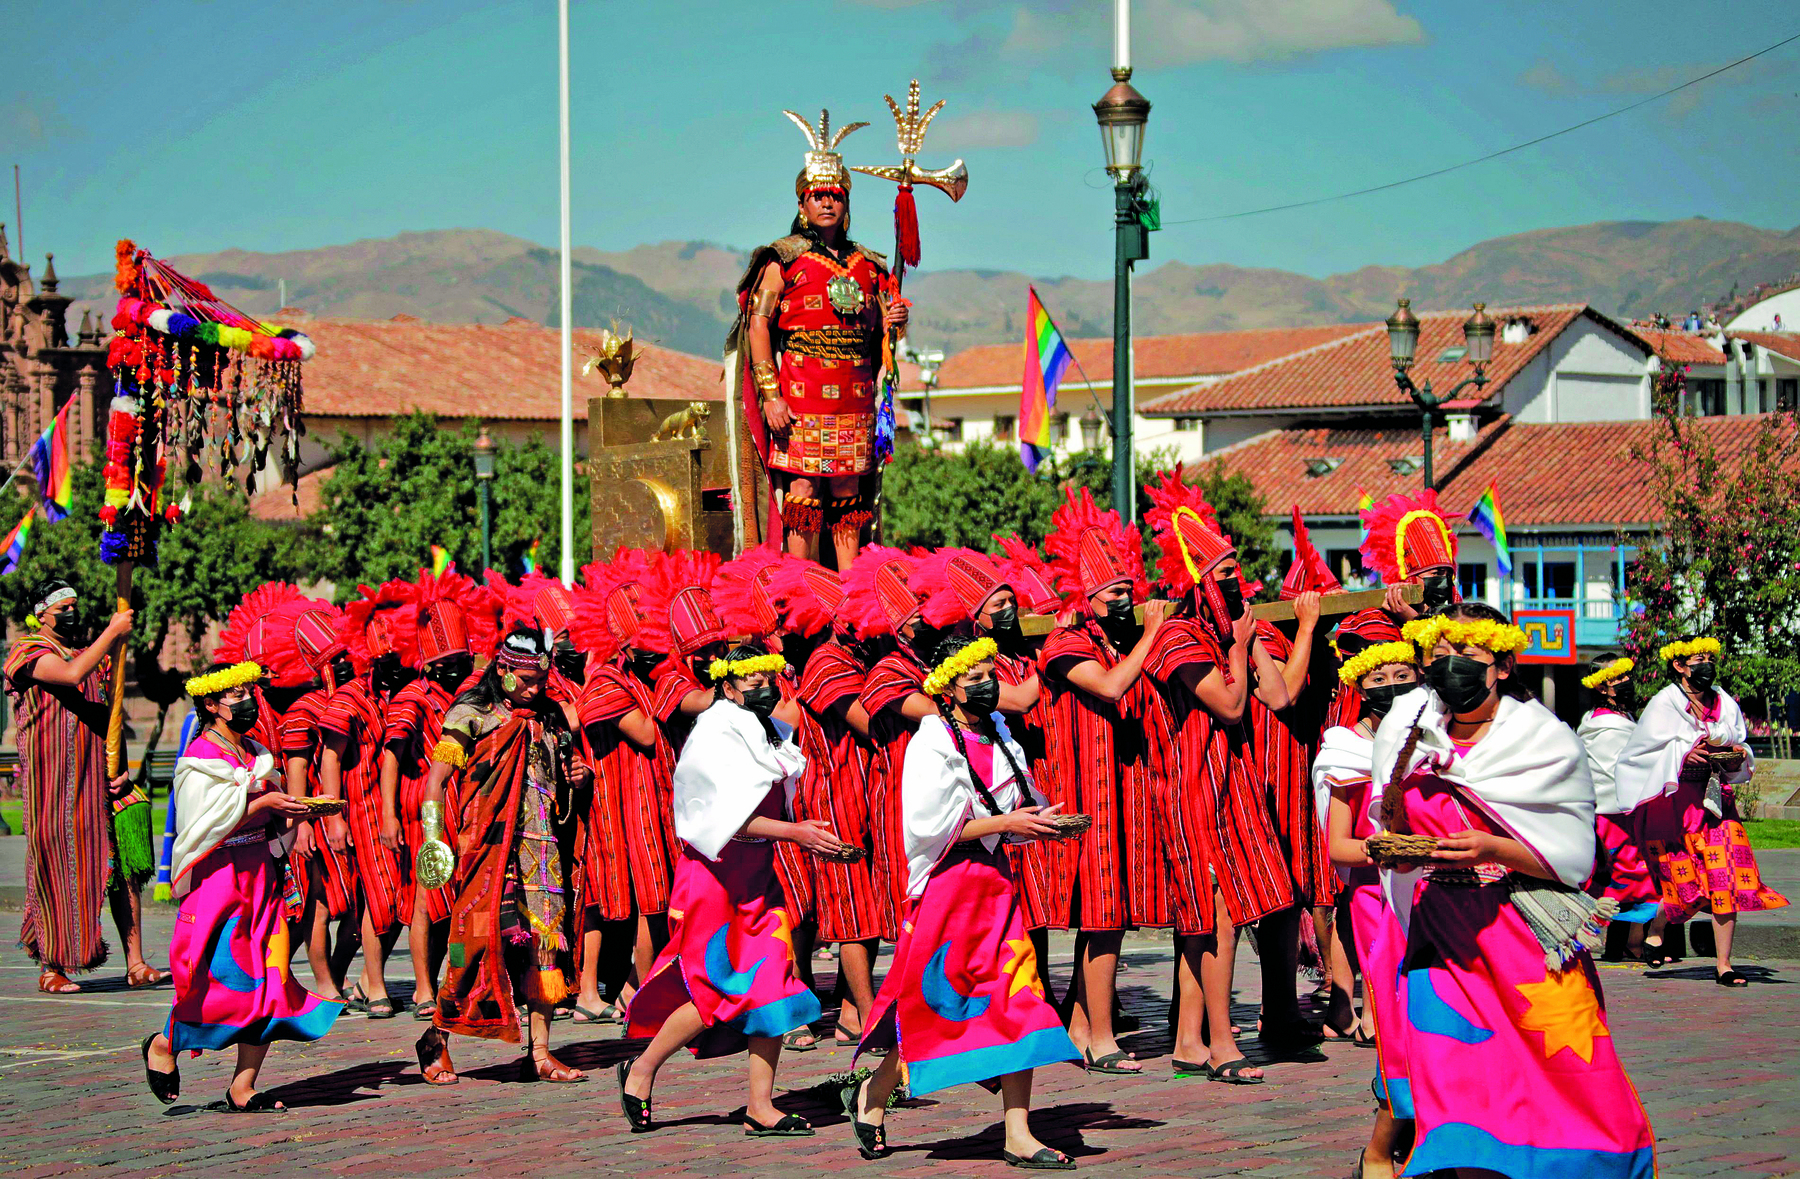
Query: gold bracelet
<point x="763" y="374"/>
<point x="765" y="302"/>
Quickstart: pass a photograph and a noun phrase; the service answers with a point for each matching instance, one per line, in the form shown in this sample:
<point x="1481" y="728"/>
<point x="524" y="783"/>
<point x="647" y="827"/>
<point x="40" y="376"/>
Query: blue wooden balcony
<point x="1599" y="622"/>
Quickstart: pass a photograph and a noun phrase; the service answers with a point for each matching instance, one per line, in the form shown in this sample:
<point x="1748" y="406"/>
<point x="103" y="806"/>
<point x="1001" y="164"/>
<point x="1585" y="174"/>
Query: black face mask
<point x="389" y="675"/>
<point x="243" y="716"/>
<point x="762" y="701"/>
<point x="1459" y="680"/>
<point x="569" y="660"/>
<point x="1232" y="590"/>
<point x="342" y="671"/>
<point x="981" y="699"/>
<point x="925" y="641"/>
<point x="644" y="663"/>
<point x="1623" y="699"/>
<point x="1380" y="698"/>
<point x="72" y="628"/>
<point x="1440" y="591"/>
<point x="449" y="674"/>
<point x="1120" y="621"/>
<point x="1702" y="676"/>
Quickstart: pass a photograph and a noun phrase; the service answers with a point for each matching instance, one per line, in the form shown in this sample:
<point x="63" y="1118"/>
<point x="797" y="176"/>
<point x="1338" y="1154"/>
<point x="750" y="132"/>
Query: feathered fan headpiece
<point x="452" y="614"/>
<point x="679" y="616"/>
<point x="1090" y="550"/>
<point x="619" y="586"/>
<point x="245" y="637"/>
<point x="292" y="664"/>
<point x="1309" y="570"/>
<point x="742" y="594"/>
<point x="370" y="624"/>
<point x="809" y="596"/>
<point x="1029" y="575"/>
<point x="1406" y="535"/>
<point x="878" y="596"/>
<point x="955" y="583"/>
<point x="1191" y="543"/>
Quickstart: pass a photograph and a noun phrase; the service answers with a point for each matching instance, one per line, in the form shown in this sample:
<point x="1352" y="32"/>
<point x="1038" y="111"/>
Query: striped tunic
<point x="793" y="863"/>
<point x="835" y="787"/>
<point x="1037" y="865"/>
<point x="643" y="779"/>
<point x="674" y="681"/>
<point x="1112" y="761"/>
<point x="334" y="871"/>
<point x="414" y="722"/>
<point x="354" y="714"/>
<point x="68" y="819"/>
<point x="1286" y="743"/>
<point x="1224" y="802"/>
<point x="893" y="678"/>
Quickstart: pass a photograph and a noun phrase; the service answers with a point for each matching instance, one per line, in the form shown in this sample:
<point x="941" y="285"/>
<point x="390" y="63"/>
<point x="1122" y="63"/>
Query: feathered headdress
<point x="679" y="616"/>
<point x="955" y="583"/>
<point x="1309" y="570"/>
<point x="1187" y="533"/>
<point x="1406" y="535"/>
<point x="619" y="586"/>
<point x="370" y="624"/>
<point x="1366" y="628"/>
<point x="742" y="594"/>
<point x="878" y="596"/>
<point x="245" y="637"/>
<point x="1090" y="550"/>
<point x="291" y="663"/>
<point x="810" y="596"/>
<point x="1029" y="575"/>
<point x="452" y="614"/>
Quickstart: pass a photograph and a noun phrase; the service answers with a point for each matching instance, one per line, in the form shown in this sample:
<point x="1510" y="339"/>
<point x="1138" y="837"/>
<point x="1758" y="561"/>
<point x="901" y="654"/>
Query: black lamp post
<point x="1403" y="343"/>
<point x="484" y="484"/>
<point x="1122" y="113"/>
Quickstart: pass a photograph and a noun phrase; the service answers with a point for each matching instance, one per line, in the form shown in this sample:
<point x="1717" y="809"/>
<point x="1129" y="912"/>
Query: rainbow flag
<point x="1364" y="503"/>
<point x="1488" y="521"/>
<point x="1047" y="357"/>
<point x="49" y="459"/>
<point x="440" y="560"/>
<point x="530" y="559"/>
<point x="15" y="540"/>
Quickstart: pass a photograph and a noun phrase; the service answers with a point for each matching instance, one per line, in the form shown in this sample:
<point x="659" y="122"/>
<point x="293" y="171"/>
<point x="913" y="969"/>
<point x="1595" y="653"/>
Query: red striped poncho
<point x="835" y="786"/>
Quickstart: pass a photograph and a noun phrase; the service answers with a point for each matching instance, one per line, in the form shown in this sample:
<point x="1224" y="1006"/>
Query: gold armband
<point x="450" y="753"/>
<point x="765" y="303"/>
<point x="434" y="862"/>
<point x="763" y="374"/>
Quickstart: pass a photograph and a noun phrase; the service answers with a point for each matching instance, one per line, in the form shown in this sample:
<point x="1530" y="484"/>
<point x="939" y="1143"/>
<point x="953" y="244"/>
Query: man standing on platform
<point x="825" y="305"/>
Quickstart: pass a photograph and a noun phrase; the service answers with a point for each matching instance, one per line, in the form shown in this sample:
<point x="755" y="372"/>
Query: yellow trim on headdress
<point x="1680" y="650"/>
<point x="1400" y="536"/>
<point x="718" y="669"/>
<point x="1617" y="669"/>
<point x="1499" y="637"/>
<point x="449" y="752"/>
<point x="1370" y="658"/>
<point x="1181" y="541"/>
<point x="947" y="672"/>
<point x="224" y="679"/>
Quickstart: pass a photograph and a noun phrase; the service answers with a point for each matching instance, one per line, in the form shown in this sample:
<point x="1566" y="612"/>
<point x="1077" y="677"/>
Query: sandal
<point x="1731" y="978"/>
<point x="52" y="982"/>
<point x="425" y="1012"/>
<point x="1186" y="1068"/>
<point x="165" y="1087"/>
<point x="382" y="1008"/>
<point x="550" y="1070"/>
<point x="1109" y="1063"/>
<point x="1655" y="956"/>
<point x="1231" y="1073"/>
<point x="580" y="1014"/>
<point x="1363" y="1038"/>
<point x="144" y="975"/>
<point x="260" y="1102"/>
<point x="790" y="1126"/>
<point x="433" y="1051"/>
<point x="1044" y="1160"/>
<point x="871" y="1138"/>
<point x="356" y="999"/>
<point x="637" y="1109"/>
<point x="792" y="1041"/>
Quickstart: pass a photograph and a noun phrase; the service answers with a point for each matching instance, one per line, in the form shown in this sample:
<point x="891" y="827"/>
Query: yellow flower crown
<point x="718" y="669"/>
<point x="1370" y="658"/>
<point x="1499" y="637"/>
<point x="1678" y="650"/>
<point x="947" y="672"/>
<point x="224" y="680"/>
<point x="1617" y="669"/>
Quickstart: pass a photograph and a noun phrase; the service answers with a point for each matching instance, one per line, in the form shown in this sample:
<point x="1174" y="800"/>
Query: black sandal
<point x="356" y="999"/>
<point x="1231" y="1073"/>
<point x="165" y="1087"/>
<point x="637" y="1109"/>
<point x="790" y="1126"/>
<point x="871" y="1138"/>
<point x="260" y="1102"/>
<point x="1656" y="956"/>
<point x="1186" y="1068"/>
<point x="1109" y="1064"/>
<point x="382" y="1008"/>
<point x="1044" y="1160"/>
<point x="1731" y="978"/>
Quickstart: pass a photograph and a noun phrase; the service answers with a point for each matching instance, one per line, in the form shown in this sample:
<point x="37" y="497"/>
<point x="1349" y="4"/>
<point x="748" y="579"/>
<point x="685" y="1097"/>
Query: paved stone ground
<point x="1718" y="1070"/>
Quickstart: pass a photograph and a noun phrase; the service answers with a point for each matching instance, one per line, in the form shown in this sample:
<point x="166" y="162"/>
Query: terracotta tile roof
<point x="1595" y="481"/>
<point x="277" y="502"/>
<point x="1785" y="343"/>
<point x="1681" y="347"/>
<point x="383" y="368"/>
<point x="1158" y="357"/>
<point x="1355" y="369"/>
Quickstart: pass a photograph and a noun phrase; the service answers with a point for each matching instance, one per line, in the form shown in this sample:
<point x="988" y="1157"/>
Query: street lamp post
<point x="1403" y="344"/>
<point x="1122" y="113"/>
<point x="484" y="484"/>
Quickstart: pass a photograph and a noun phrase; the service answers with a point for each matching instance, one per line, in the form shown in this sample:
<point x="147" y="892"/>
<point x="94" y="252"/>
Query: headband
<point x="223" y="680"/>
<point x="60" y="594"/>
<point x="1680" y="650"/>
<point x="947" y="672"/>
<point x="718" y="669"/>
<point x="1616" y="670"/>
<point x="1370" y="658"/>
<point x="1499" y="637"/>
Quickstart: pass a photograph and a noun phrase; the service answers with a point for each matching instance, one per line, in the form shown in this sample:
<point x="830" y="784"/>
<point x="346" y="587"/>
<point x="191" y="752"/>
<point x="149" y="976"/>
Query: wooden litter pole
<point x="115" y="724"/>
<point x="1330" y="606"/>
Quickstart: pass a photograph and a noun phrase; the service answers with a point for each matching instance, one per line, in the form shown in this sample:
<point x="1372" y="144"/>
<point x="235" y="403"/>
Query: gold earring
<point x="509" y="682"/>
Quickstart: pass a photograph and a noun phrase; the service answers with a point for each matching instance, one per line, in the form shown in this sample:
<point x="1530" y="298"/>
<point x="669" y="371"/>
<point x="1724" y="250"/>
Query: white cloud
<point x="32" y="121"/>
<point x="982" y="129"/>
<point x="1180" y="32"/>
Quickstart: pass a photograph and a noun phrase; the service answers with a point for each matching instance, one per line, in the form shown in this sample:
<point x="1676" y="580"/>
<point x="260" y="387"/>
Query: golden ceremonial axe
<point x="909" y="130"/>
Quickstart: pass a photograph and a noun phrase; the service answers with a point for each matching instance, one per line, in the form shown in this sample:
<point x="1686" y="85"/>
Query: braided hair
<point x="946" y="704"/>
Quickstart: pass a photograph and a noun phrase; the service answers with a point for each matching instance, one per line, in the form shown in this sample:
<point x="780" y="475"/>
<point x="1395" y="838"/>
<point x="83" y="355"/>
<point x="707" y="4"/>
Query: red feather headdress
<point x="1406" y="535"/>
<point x="288" y="666"/>
<point x="677" y="620"/>
<point x="619" y="586"/>
<point x="1188" y="537"/>
<point x="1090" y="550"/>
<point x="370" y="624"/>
<point x="809" y="595"/>
<point x="246" y="633"/>
<point x="955" y="583"/>
<point x="1029" y="575"/>
<point x="1309" y="570"/>
<point x="742" y="595"/>
<point x="448" y="607"/>
<point x="878" y="597"/>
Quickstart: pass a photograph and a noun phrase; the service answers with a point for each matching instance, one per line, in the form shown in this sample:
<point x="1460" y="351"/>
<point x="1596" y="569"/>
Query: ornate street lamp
<point x="1090" y="429"/>
<point x="1403" y="346"/>
<point x="1122" y="113"/>
<point x="484" y="483"/>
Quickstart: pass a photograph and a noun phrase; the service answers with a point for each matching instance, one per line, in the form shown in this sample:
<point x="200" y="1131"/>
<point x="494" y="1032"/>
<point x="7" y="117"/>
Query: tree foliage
<point x="1726" y="561"/>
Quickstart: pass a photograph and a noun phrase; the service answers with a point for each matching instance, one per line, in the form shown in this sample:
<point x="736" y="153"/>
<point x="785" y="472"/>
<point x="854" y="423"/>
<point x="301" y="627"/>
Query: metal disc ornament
<point x="434" y="863"/>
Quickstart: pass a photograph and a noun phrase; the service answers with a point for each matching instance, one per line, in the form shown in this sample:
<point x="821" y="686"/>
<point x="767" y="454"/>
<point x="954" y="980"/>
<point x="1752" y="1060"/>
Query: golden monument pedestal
<point x="659" y="474"/>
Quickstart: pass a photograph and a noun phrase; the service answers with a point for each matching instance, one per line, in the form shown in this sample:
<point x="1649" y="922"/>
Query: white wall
<point x="977" y="412"/>
<point x="1587" y="374"/>
<point x="1221" y="432"/>
<point x="1760" y="317"/>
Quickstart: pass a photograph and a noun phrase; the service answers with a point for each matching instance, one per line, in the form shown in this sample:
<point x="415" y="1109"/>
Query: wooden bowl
<point x="319" y="808"/>
<point x="1389" y="847"/>
<point x="1071" y="826"/>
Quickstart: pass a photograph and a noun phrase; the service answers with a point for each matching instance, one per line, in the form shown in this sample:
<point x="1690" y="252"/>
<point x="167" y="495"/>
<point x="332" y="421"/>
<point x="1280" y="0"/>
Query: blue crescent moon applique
<point x="719" y="971"/>
<point x="944" y="999"/>
<point x="223" y="966"/>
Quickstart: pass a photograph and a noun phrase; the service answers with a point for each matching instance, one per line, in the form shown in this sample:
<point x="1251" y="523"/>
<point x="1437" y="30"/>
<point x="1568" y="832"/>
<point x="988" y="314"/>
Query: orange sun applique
<point x="784" y="931"/>
<point x="1023" y="967"/>
<point x="1565" y="1009"/>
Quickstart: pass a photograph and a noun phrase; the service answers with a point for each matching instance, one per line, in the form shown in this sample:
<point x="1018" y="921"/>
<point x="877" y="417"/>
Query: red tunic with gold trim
<point x="1225" y="804"/>
<point x="300" y="738"/>
<point x="414" y="724"/>
<point x="829" y="333"/>
<point x="644" y="784"/>
<point x="354" y="714"/>
<point x="1111" y="761"/>
<point x="1037" y="865"/>
<point x="1286" y="743"/>
<point x="894" y="677"/>
<point x="835" y="786"/>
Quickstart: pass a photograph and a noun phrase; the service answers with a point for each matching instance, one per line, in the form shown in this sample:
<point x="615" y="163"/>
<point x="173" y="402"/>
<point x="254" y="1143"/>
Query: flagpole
<point x="568" y="354"/>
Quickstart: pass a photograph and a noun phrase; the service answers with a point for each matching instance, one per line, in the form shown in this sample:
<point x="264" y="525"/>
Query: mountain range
<point x="680" y="294"/>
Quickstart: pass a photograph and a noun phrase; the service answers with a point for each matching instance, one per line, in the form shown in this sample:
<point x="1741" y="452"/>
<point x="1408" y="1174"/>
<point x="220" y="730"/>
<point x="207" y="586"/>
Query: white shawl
<point x="726" y="770"/>
<point x="211" y="797"/>
<point x="1528" y="775"/>
<point x="1604" y="734"/>
<point x="938" y="795"/>
<point x="1345" y="756"/>
<point x="1666" y="733"/>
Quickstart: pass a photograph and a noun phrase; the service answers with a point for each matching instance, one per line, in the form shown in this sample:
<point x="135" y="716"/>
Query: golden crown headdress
<point x="824" y="166"/>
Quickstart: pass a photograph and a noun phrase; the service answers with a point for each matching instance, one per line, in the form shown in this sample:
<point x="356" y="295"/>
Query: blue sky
<point x="193" y="125"/>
